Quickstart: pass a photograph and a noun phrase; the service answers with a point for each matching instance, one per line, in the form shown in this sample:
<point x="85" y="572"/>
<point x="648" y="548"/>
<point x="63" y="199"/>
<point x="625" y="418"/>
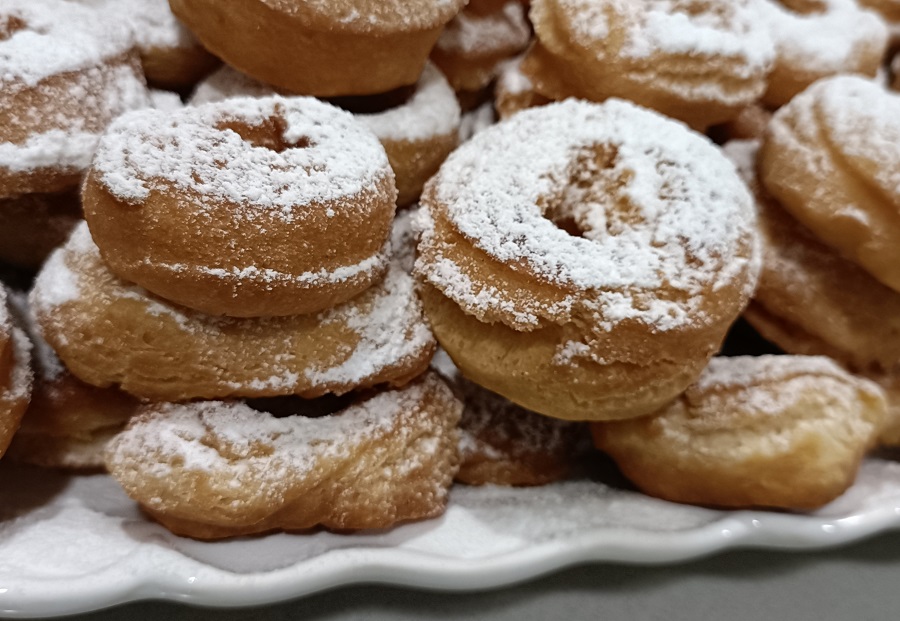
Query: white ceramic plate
<point x="71" y="544"/>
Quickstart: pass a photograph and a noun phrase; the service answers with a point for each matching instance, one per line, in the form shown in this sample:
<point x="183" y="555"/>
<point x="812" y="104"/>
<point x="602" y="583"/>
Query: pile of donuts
<point x="277" y="265"/>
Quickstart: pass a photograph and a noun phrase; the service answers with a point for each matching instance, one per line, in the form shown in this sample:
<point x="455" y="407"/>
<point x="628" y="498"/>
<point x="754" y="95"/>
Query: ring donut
<point x="829" y="157"/>
<point x="809" y="299"/>
<point x="111" y="333"/>
<point x="585" y="260"/>
<point x="64" y="75"/>
<point x="754" y="431"/>
<point x="246" y="208"/>
<point x="418" y="133"/>
<point x="321" y="47"/>
<point x="699" y="61"/>
<point x="221" y="469"/>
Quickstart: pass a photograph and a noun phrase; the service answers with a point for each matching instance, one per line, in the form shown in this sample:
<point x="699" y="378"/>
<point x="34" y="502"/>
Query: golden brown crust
<point x="177" y="68"/>
<point x="596" y="50"/>
<point x="386" y="459"/>
<point x="771" y="431"/>
<point x="310" y="52"/>
<point x="514" y="91"/>
<point x="108" y="332"/>
<point x="216" y="250"/>
<point x="809" y="300"/>
<point x="32" y="226"/>
<point x="525" y="367"/>
<point x="821" y="160"/>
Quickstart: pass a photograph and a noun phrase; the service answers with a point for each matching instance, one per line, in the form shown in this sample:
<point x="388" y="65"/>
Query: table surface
<point x="858" y="582"/>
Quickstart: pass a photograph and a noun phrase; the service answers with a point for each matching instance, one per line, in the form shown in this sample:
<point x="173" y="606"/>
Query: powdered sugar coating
<point x="70" y="139"/>
<point x="726" y="372"/>
<point x="390" y="333"/>
<point x="652" y="29"/>
<point x="55" y="37"/>
<point x="686" y="213"/>
<point x="470" y="34"/>
<point x="431" y="111"/>
<point x="862" y="120"/>
<point x="823" y="40"/>
<point x="149" y="150"/>
<point x="151" y="21"/>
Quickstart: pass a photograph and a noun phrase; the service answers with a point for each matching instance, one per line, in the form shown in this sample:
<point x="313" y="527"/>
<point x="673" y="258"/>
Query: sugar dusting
<point x="373" y="17"/>
<point x="825" y="40"/>
<point x="682" y="211"/>
<point x="71" y="138"/>
<point x="391" y="330"/>
<point x="471" y="34"/>
<point x="431" y="111"/>
<point x="329" y="156"/>
<point x="57" y="37"/>
<point x="151" y="22"/>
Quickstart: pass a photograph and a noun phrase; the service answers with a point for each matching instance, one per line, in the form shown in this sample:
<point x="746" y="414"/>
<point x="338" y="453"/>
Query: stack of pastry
<point x="244" y="300"/>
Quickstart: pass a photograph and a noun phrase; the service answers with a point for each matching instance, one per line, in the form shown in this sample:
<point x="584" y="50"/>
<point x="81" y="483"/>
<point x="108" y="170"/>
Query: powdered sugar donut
<point x="809" y="299"/>
<point x="171" y="56"/>
<point x="472" y="46"/>
<point x="216" y="469"/>
<point x="247" y="208"/>
<point x="15" y="373"/>
<point x="322" y="47"/>
<point x="770" y="431"/>
<point x="819" y="38"/>
<point x="831" y="158"/>
<point x="586" y="260"/>
<point x="33" y="225"/>
<point x="111" y="333"/>
<point x="64" y="75"/>
<point x="418" y="133"/>
<point x="700" y="61"/>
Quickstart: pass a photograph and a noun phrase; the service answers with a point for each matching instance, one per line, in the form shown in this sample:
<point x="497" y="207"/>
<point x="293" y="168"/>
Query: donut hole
<point x="10" y="25"/>
<point x="589" y="202"/>
<point x="282" y="407"/>
<point x="373" y="104"/>
<point x="269" y="134"/>
<point x="804" y="7"/>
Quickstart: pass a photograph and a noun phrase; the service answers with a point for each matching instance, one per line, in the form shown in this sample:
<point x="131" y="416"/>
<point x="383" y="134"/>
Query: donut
<point x="501" y="443"/>
<point x="171" y="56"/>
<point x="754" y="431"/>
<point x="699" y="61"/>
<point x="418" y="132"/>
<point x="33" y="225"/>
<point x="109" y="332"/>
<point x="321" y="47"/>
<point x="483" y="35"/>
<point x="809" y="299"/>
<point x="246" y="208"/>
<point x="585" y="260"/>
<point x="214" y="469"/>
<point x="67" y="423"/>
<point x="819" y="38"/>
<point x="829" y="158"/>
<point x="514" y="91"/>
<point x="15" y="373"/>
<point x="64" y="75"/>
